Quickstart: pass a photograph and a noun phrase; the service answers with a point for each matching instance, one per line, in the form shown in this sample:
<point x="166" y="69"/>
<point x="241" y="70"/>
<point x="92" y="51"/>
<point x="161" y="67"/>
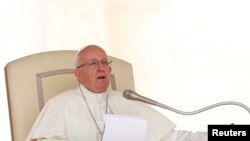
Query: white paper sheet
<point x="124" y="128"/>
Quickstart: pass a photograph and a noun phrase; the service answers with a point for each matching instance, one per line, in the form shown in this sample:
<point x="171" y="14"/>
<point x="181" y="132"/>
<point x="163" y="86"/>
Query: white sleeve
<point x="182" y="135"/>
<point x="49" y="124"/>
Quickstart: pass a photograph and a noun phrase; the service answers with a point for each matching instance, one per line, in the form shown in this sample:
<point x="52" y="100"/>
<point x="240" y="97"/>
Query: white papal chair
<point x="33" y="79"/>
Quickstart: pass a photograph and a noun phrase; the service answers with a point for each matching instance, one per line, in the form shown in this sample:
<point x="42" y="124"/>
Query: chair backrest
<point x="33" y="79"/>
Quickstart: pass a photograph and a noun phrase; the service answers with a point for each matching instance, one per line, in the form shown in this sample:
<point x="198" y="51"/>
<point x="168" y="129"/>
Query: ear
<point x="110" y="69"/>
<point x="76" y="73"/>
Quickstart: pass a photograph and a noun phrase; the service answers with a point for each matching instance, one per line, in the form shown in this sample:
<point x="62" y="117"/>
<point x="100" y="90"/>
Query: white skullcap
<point x="80" y="50"/>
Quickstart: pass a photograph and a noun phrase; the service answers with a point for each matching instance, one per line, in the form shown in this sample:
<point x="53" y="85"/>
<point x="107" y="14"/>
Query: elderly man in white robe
<point x="77" y="114"/>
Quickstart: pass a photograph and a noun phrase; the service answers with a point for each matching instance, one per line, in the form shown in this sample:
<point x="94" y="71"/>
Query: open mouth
<point x="101" y="77"/>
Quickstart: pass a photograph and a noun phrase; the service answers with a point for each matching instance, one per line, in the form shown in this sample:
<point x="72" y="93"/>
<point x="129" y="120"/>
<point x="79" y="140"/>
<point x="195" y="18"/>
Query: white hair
<point x="77" y="55"/>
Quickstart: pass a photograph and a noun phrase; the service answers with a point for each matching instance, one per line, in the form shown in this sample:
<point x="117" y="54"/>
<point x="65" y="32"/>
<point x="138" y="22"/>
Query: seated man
<point x="77" y="114"/>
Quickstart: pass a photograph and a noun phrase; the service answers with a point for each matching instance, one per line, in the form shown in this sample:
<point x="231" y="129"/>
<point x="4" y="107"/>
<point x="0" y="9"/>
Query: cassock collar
<point x="91" y="96"/>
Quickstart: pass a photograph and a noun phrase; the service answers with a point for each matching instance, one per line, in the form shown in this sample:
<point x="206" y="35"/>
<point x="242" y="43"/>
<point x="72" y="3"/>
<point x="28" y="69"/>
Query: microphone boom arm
<point x="205" y="108"/>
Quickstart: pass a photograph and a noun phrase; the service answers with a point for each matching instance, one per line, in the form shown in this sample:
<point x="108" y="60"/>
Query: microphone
<point x="131" y="95"/>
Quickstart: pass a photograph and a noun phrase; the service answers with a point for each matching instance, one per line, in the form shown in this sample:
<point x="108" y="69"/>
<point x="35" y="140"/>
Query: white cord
<point x="205" y="108"/>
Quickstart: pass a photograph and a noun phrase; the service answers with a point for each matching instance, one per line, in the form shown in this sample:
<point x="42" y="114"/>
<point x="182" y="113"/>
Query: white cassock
<point x="66" y="117"/>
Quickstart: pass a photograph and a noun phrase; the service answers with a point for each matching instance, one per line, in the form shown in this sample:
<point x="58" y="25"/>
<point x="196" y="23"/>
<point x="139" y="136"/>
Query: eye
<point x="105" y="62"/>
<point x="93" y="63"/>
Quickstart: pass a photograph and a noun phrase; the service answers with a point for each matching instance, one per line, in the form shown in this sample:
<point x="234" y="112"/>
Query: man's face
<point x="95" y="78"/>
